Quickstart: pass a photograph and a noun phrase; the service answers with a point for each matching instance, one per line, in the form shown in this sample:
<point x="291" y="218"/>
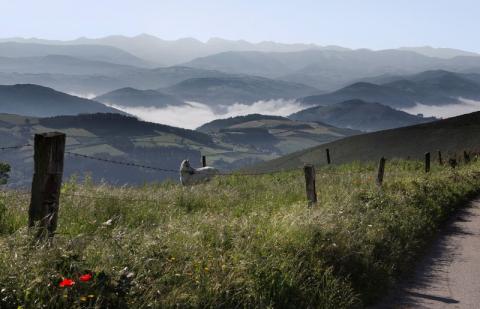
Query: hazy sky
<point x="353" y="23"/>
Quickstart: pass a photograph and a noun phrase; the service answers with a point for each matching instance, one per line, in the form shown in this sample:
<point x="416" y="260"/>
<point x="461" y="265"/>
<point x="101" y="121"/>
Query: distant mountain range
<point x="38" y="101"/>
<point x="87" y="52"/>
<point x="89" y="78"/>
<point x="359" y="115"/>
<point x="173" y="52"/>
<point x="215" y="91"/>
<point x="429" y="88"/>
<point x="445" y="53"/>
<point x="96" y="66"/>
<point x="326" y="69"/>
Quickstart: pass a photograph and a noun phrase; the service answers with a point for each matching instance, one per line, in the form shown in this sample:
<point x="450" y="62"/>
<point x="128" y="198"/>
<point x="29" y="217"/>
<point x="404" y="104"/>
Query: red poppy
<point x="86" y="277"/>
<point x="66" y="283"/>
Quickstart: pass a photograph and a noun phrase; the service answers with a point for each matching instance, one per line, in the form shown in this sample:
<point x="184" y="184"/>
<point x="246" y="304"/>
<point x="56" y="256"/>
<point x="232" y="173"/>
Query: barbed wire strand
<point x="15" y="147"/>
<point x="171" y="170"/>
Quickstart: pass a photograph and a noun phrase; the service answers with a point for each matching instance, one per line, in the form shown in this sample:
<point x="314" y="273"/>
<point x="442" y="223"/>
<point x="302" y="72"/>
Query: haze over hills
<point x="236" y="89"/>
<point x="327" y="70"/>
<point x="359" y="115"/>
<point x="87" y="52"/>
<point x="445" y="53"/>
<point x="452" y="136"/>
<point x="428" y="88"/>
<point x="93" y="79"/>
<point x="173" y="52"/>
<point x="38" y="101"/>
<point x="60" y="64"/>
<point x="130" y="97"/>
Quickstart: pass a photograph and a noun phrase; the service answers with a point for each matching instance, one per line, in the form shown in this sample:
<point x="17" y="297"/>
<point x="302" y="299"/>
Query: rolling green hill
<point x="451" y="136"/>
<point x="123" y="138"/>
<point x="273" y="134"/>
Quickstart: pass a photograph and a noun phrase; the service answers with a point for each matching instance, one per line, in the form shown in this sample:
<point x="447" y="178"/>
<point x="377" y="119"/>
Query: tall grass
<point x="234" y="242"/>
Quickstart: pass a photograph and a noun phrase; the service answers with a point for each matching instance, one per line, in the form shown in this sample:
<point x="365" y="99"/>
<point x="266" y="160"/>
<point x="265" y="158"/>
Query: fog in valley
<point x="195" y="114"/>
<point x="445" y="111"/>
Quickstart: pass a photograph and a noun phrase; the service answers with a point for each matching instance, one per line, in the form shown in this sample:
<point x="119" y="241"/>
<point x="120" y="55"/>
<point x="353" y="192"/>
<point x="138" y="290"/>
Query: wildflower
<point x="66" y="283"/>
<point x="91" y="296"/>
<point x="86" y="277"/>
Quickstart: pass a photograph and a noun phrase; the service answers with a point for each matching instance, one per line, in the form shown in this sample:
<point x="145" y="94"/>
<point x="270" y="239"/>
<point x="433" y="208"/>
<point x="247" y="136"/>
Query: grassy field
<point x="235" y="242"/>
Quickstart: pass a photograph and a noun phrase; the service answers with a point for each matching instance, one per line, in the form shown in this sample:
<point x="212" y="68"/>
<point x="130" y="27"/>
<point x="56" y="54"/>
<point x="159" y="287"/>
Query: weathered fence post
<point x="204" y="161"/>
<point x="328" y="156"/>
<point x="381" y="171"/>
<point x="440" y="160"/>
<point x="49" y="152"/>
<point x="427" y="162"/>
<point x="466" y="157"/>
<point x="310" y="184"/>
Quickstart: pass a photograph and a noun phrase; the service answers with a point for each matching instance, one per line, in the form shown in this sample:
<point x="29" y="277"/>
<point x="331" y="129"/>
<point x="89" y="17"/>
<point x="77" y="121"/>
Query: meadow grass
<point x="234" y="242"/>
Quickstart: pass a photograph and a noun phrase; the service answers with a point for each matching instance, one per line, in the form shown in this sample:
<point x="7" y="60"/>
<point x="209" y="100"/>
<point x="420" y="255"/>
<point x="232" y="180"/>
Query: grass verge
<point x="234" y="242"/>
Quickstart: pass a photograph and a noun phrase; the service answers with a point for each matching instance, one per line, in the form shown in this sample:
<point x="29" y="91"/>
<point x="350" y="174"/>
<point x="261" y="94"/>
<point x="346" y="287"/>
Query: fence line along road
<point x="49" y="152"/>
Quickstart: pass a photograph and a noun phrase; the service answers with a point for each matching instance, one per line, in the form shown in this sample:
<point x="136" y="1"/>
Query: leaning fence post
<point x="328" y="156"/>
<point x="48" y="157"/>
<point x="310" y="184"/>
<point x="427" y="162"/>
<point x="381" y="171"/>
<point x="440" y="161"/>
<point x="204" y="161"/>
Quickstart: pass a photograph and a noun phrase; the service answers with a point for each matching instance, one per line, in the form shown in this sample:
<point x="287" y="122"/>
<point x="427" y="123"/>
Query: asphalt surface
<point x="448" y="276"/>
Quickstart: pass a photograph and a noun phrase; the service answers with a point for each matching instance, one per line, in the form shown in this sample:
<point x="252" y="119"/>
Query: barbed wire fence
<point x="49" y="153"/>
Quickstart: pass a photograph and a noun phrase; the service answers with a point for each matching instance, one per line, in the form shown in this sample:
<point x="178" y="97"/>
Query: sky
<point x="375" y="24"/>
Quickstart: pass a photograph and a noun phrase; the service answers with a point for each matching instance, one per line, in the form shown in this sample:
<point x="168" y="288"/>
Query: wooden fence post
<point x="381" y="171"/>
<point x="466" y="157"/>
<point x="310" y="184"/>
<point x="49" y="152"/>
<point x="427" y="162"/>
<point x="204" y="161"/>
<point x="328" y="156"/>
<point x="440" y="160"/>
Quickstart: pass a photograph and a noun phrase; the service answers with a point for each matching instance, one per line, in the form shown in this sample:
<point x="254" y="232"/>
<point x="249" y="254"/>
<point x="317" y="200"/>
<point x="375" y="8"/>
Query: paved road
<point x="449" y="275"/>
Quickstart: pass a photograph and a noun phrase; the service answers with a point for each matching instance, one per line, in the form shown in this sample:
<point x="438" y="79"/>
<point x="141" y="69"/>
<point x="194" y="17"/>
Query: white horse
<point x="191" y="176"/>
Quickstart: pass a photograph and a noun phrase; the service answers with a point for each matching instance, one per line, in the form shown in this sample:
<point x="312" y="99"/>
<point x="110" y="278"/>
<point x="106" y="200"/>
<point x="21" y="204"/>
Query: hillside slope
<point x="359" y="115"/>
<point x="452" y="135"/>
<point x="273" y="134"/>
<point x="127" y="139"/>
<point x="131" y="97"/>
<point x="236" y="89"/>
<point x="90" y="52"/>
<point x="430" y="88"/>
<point x="38" y="101"/>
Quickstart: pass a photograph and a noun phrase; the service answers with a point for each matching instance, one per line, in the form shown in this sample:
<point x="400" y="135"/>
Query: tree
<point x="4" y="173"/>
